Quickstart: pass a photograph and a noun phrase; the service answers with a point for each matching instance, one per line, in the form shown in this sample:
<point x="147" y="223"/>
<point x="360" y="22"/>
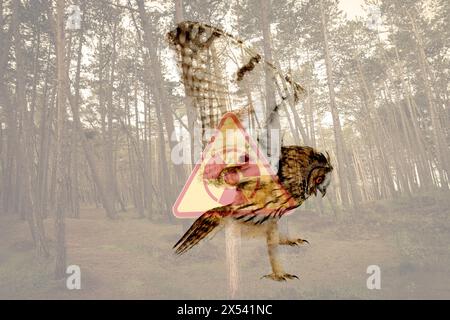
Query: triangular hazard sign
<point x="230" y="156"/>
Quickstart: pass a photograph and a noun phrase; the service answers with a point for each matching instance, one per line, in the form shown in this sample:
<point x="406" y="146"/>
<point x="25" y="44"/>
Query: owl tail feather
<point x="206" y="223"/>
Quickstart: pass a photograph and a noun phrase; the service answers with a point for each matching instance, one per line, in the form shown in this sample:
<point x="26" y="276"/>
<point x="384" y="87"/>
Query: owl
<point x="302" y="172"/>
<point x="221" y="74"/>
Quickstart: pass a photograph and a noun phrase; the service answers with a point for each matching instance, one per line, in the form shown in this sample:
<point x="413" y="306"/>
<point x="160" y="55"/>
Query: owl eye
<point x="319" y="180"/>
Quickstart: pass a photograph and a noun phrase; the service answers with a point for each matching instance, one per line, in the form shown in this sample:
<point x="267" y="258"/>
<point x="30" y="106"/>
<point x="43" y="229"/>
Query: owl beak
<point x="323" y="191"/>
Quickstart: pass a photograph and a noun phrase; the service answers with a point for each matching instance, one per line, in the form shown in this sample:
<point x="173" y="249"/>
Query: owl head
<point x="304" y="171"/>
<point x="319" y="174"/>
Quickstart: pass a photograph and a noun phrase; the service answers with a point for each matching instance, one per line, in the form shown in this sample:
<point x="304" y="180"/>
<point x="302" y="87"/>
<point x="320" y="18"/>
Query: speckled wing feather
<point x="221" y="74"/>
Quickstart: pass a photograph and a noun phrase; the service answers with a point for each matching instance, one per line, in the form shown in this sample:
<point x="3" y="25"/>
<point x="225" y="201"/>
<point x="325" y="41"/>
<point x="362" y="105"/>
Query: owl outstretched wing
<point x="222" y="74"/>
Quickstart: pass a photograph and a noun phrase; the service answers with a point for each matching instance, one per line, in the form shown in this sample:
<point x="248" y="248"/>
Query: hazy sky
<point x="351" y="7"/>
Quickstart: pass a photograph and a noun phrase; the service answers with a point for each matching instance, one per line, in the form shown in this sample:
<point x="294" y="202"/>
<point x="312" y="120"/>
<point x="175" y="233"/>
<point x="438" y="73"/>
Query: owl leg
<point x="285" y="240"/>
<point x="273" y="241"/>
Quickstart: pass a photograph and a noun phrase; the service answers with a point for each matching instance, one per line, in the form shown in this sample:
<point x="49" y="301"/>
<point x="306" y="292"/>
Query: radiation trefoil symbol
<point x="226" y="169"/>
<point x="230" y="157"/>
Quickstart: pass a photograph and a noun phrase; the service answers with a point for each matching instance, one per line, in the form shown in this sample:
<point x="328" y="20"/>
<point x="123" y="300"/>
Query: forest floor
<point x="132" y="258"/>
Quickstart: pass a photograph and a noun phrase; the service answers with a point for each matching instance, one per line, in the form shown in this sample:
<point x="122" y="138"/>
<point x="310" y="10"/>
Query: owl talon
<point x="300" y="241"/>
<point x="295" y="242"/>
<point x="280" y="276"/>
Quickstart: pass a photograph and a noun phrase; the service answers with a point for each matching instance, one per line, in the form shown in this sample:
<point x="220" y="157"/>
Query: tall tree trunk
<point x="75" y="189"/>
<point x="273" y="137"/>
<point x="9" y="195"/>
<point x="60" y="268"/>
<point x="340" y="145"/>
<point x="109" y="155"/>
